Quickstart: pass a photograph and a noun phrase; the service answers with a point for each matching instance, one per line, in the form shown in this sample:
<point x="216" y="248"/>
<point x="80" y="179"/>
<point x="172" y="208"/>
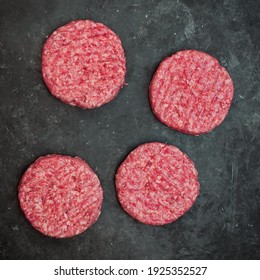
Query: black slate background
<point x="224" y="223"/>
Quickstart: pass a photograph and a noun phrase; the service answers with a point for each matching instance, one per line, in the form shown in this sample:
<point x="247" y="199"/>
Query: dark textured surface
<point x="224" y="222"/>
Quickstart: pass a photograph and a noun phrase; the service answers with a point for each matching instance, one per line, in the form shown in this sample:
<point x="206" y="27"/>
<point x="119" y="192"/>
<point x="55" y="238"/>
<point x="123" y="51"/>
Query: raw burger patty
<point x="60" y="195"/>
<point x="83" y="64"/>
<point x="191" y="92"/>
<point x="157" y="183"/>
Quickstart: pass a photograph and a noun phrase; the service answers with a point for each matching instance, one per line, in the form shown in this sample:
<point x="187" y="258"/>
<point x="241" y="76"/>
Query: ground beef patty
<point x="157" y="183"/>
<point x="191" y="92"/>
<point x="83" y="64"/>
<point x="60" y="195"/>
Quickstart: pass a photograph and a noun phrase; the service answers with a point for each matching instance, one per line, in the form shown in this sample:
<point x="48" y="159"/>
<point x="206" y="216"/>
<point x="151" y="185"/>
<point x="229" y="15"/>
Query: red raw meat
<point x="83" y="64"/>
<point x="191" y="92"/>
<point x="60" y="195"/>
<point x="157" y="183"/>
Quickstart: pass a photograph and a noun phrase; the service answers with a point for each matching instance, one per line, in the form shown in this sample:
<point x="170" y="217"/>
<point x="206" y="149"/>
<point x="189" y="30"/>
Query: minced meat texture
<point x="60" y="195"/>
<point x="83" y="64"/>
<point x="191" y="92"/>
<point x="157" y="183"/>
